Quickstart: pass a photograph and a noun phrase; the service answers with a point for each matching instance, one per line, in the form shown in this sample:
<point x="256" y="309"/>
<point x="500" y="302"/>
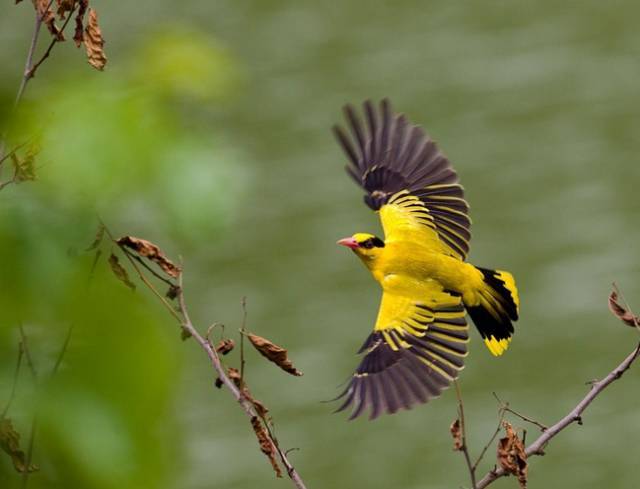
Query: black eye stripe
<point x="372" y="242"/>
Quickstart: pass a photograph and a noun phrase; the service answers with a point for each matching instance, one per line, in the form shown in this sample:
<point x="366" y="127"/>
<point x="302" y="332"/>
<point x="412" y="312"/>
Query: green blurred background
<point x="208" y="133"/>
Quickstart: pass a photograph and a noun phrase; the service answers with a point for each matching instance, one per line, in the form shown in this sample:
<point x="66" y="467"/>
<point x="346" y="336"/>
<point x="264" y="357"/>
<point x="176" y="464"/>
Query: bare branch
<point x="463" y="430"/>
<point x="574" y="416"/>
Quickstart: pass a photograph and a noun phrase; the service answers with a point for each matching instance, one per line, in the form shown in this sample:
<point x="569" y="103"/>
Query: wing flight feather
<point x="393" y="160"/>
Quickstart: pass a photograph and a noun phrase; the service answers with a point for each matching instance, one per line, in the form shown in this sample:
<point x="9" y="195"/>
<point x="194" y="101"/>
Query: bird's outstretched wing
<point x="407" y="179"/>
<point x="416" y="350"/>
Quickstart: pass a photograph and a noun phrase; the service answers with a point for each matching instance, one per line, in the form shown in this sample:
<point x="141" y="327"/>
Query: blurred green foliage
<point x="113" y="145"/>
<point x="208" y="134"/>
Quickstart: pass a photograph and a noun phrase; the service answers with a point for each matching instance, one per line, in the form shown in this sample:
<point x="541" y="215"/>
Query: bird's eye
<point x="368" y="244"/>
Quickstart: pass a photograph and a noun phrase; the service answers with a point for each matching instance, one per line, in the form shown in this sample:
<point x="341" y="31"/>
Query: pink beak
<point x="349" y="243"/>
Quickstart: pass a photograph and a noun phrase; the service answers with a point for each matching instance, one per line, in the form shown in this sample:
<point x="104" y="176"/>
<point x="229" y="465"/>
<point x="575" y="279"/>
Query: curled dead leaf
<point x="273" y="353"/>
<point x="456" y="433"/>
<point x="512" y="456"/>
<point x="147" y="249"/>
<point x="120" y="272"/>
<point x="93" y="42"/>
<point x="65" y="6"/>
<point x="621" y="312"/>
<point x="236" y="378"/>
<point x="185" y="334"/>
<point x="173" y="291"/>
<point x="266" y="445"/>
<point x="234" y="375"/>
<point x="78" y="35"/>
<point x="48" y="18"/>
<point x="225" y="346"/>
<point x="10" y="444"/>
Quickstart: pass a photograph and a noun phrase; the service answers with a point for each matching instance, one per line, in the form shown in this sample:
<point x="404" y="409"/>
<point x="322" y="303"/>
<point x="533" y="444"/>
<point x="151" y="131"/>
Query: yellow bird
<point x="419" y="341"/>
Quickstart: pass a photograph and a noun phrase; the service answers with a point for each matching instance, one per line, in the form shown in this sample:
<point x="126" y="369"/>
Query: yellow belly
<point x="417" y="263"/>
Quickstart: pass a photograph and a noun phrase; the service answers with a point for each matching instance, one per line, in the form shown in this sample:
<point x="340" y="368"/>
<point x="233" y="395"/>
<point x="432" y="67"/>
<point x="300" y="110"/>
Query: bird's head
<point x="365" y="245"/>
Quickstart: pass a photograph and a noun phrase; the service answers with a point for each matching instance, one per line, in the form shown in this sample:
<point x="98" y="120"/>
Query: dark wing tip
<point x="388" y="381"/>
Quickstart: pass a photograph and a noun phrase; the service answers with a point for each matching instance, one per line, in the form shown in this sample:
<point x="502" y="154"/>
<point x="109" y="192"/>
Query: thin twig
<point x="574" y="416"/>
<point x="27" y="352"/>
<point x="242" y="333"/>
<point x="30" y="68"/>
<point x="54" y="41"/>
<point x="463" y="430"/>
<point x="151" y="287"/>
<point x="491" y="440"/>
<point x="504" y="406"/>
<point x="29" y="458"/>
<point x="14" y="178"/>
<point x="142" y="276"/>
<point x="16" y="373"/>
<point x="63" y="351"/>
<point x="28" y="65"/>
<point x="11" y="153"/>
<point x="145" y="265"/>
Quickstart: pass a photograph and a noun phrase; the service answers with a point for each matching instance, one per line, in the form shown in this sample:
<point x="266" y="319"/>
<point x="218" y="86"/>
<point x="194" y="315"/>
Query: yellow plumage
<point x="420" y="335"/>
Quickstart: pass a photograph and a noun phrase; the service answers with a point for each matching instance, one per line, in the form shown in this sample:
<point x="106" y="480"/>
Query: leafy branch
<point x="147" y="261"/>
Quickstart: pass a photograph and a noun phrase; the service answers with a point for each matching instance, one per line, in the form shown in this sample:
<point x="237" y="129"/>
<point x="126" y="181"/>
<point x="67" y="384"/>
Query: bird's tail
<point x="497" y="306"/>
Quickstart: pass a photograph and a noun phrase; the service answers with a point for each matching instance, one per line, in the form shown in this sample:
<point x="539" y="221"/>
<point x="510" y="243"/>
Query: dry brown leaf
<point x="10" y="444"/>
<point x="48" y="18"/>
<point x="621" y="312"/>
<point x="65" y="6"/>
<point x="265" y="444"/>
<point x="234" y="375"/>
<point x="273" y="353"/>
<point x="225" y="346"/>
<point x="120" y="272"/>
<point x="456" y="433"/>
<point x="511" y="455"/>
<point x="98" y="239"/>
<point x="173" y="291"/>
<point x="150" y="251"/>
<point x="78" y="35"/>
<point x="93" y="42"/>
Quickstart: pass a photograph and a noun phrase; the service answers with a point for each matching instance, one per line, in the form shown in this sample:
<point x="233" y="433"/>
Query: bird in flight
<point x="419" y="341"/>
